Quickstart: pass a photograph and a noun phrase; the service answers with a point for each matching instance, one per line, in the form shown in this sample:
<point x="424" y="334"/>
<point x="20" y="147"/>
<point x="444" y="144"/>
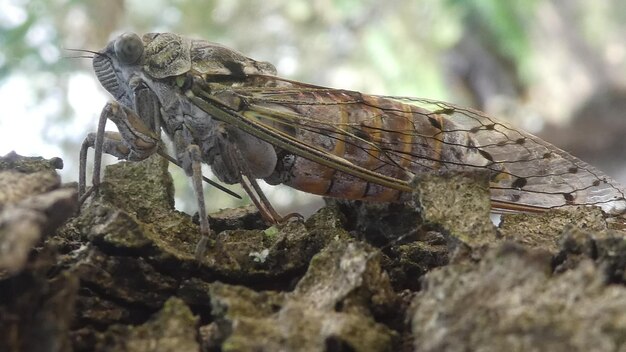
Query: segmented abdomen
<point x="379" y="136"/>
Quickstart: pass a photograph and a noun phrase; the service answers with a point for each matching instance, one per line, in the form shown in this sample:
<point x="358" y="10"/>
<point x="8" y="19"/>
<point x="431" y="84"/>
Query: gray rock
<point x="173" y="328"/>
<point x="333" y="307"/>
<point x="510" y="301"/>
<point x="36" y="302"/>
<point x="458" y="204"/>
<point x="122" y="274"/>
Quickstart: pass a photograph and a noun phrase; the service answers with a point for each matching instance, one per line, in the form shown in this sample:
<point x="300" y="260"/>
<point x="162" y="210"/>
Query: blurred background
<point x="556" y="68"/>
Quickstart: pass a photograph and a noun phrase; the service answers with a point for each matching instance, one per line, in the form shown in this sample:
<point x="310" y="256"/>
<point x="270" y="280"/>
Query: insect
<point x="234" y="113"/>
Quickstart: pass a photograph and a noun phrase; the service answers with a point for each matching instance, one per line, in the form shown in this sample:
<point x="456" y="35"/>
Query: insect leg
<point x="267" y="211"/>
<point x="190" y="160"/>
<point x="95" y="142"/>
<point x="112" y="144"/>
<point x="249" y="184"/>
<point x="164" y="154"/>
<point x="242" y="158"/>
<point x="135" y="141"/>
<point x="196" y="181"/>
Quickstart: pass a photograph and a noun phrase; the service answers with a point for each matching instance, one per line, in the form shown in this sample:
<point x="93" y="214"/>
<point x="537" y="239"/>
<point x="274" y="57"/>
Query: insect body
<point x="233" y="113"/>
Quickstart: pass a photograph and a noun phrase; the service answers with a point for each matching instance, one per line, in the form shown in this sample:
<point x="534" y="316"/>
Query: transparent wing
<point x="532" y="171"/>
<point x="398" y="137"/>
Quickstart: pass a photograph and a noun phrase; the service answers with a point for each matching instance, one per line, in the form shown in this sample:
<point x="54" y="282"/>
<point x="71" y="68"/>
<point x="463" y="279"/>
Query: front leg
<point x="112" y="144"/>
<point x="135" y="141"/>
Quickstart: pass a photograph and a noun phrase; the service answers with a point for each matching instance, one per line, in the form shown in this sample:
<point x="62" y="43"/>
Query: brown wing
<point x="400" y="137"/>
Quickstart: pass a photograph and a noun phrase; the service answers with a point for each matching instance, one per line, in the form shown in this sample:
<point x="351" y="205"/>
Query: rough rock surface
<point x="36" y="310"/>
<point x="484" y="307"/>
<point x="121" y="275"/>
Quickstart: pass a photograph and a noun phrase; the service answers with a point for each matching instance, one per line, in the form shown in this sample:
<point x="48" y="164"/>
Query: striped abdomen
<point x="375" y="133"/>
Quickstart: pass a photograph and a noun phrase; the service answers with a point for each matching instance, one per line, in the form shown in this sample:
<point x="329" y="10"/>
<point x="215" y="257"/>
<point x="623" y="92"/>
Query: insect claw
<point x="86" y="195"/>
<point x="201" y="248"/>
<point x="290" y="216"/>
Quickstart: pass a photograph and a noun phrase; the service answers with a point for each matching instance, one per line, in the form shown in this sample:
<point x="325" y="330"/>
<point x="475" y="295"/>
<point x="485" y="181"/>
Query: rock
<point x="40" y="317"/>
<point x="458" y="204"/>
<point x="125" y="279"/>
<point x="141" y="220"/>
<point x="333" y="307"/>
<point x="31" y="207"/>
<point x="545" y="230"/>
<point x="511" y="301"/>
<point x="29" y="165"/>
<point x="246" y="217"/>
<point x="173" y="328"/>
<point x="140" y="249"/>
<point x="23" y="224"/>
<point x="16" y="186"/>
<point x="36" y="304"/>
<point x="382" y="224"/>
<point x="122" y="274"/>
<point x="606" y="248"/>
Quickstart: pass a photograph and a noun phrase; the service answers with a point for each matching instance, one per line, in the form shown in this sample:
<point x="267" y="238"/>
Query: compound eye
<point x="128" y="48"/>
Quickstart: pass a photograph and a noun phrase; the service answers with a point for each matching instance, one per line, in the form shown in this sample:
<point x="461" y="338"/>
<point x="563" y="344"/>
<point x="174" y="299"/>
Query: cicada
<point x="235" y="114"/>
